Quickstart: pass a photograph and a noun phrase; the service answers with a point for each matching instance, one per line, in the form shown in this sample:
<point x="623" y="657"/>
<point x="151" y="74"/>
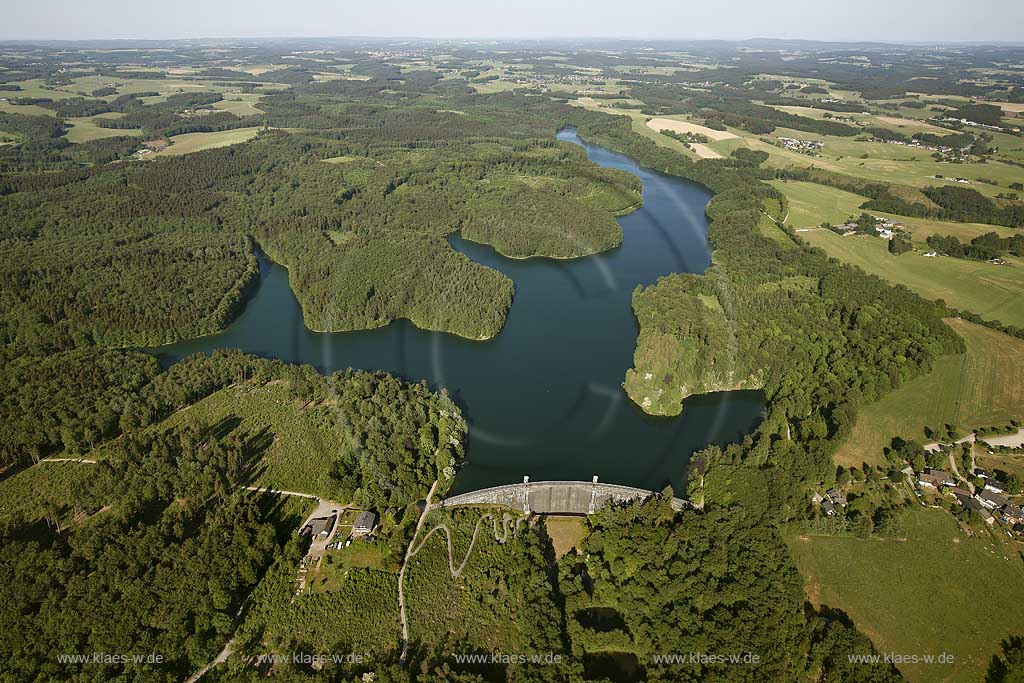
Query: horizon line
<point x="497" y="39"/>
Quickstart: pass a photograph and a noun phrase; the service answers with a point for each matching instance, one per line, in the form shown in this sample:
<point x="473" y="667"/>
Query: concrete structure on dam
<point x="555" y="497"/>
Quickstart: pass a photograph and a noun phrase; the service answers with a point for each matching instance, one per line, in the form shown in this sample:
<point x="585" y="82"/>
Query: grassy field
<point x="984" y="386"/>
<point x="993" y="292"/>
<point x="85" y="129"/>
<point x="240" y="104"/>
<point x="934" y="591"/>
<point x="883" y="162"/>
<point x="195" y="142"/>
<point x="811" y="204"/>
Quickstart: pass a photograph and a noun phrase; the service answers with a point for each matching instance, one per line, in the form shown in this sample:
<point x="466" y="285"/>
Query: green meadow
<point x="934" y="591"/>
<point x="984" y="386"/>
<point x="993" y="292"/>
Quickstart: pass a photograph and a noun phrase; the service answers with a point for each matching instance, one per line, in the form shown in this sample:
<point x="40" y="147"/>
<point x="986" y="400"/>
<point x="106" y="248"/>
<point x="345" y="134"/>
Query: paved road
<point x="221" y="658"/>
<point x="936" y="445"/>
<point x="956" y="472"/>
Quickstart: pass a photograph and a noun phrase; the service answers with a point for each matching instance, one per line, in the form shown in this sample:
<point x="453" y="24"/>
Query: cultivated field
<point x="677" y="126"/>
<point x="638" y="123"/>
<point x="195" y="142"/>
<point x="240" y="104"/>
<point x="934" y="591"/>
<point x="984" y="386"/>
<point x="811" y="204"/>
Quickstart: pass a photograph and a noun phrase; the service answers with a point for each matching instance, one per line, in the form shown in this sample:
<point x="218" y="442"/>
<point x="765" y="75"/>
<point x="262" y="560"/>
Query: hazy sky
<point x="911" y="20"/>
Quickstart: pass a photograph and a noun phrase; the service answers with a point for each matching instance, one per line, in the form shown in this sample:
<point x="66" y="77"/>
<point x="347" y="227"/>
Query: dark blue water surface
<point x="543" y="398"/>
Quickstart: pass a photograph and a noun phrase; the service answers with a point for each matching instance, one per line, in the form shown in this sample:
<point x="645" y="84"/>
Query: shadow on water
<point x="544" y="398"/>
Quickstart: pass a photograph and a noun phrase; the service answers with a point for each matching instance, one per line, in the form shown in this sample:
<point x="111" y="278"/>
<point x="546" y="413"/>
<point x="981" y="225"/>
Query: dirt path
<point x="84" y="461"/>
<point x="500" y="537"/>
<point x="221" y="658"/>
<point x="265" y="489"/>
<point x="956" y="472"/>
<point x="324" y="508"/>
<point x="401" y="574"/>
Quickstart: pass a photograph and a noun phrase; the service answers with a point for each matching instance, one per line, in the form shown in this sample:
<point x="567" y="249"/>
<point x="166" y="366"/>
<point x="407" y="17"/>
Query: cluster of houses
<point x="542" y="80"/>
<point x="948" y="153"/>
<point x="962" y="181"/>
<point x="886" y="228"/>
<point x="968" y="122"/>
<point x="810" y="147"/>
<point x="991" y="502"/>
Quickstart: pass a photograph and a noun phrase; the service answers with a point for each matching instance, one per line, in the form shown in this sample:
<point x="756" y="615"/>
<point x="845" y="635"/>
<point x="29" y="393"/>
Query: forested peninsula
<point x="356" y="200"/>
<point x="820" y="338"/>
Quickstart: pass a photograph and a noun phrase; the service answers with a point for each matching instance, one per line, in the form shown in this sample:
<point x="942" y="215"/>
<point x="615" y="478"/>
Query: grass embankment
<point x="934" y="591"/>
<point x="566" y="533"/>
<point x="983" y="386"/>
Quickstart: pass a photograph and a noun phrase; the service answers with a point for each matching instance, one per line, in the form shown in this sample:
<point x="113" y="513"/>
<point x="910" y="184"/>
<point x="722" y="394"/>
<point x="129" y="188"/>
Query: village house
<point x="365" y="522"/>
<point x="1012" y="514"/>
<point x="837" y="497"/>
<point x="935" y="478"/>
<point x="993" y="501"/>
<point x="994" y="485"/>
<point x="828" y="507"/>
<point x="318" y="527"/>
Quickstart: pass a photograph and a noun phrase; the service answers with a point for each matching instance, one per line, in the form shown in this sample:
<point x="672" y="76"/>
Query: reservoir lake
<point x="543" y="398"/>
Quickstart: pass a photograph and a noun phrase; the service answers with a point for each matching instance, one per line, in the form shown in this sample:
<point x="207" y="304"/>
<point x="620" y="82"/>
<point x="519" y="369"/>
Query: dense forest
<point x="647" y="584"/>
<point x="354" y="184"/>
